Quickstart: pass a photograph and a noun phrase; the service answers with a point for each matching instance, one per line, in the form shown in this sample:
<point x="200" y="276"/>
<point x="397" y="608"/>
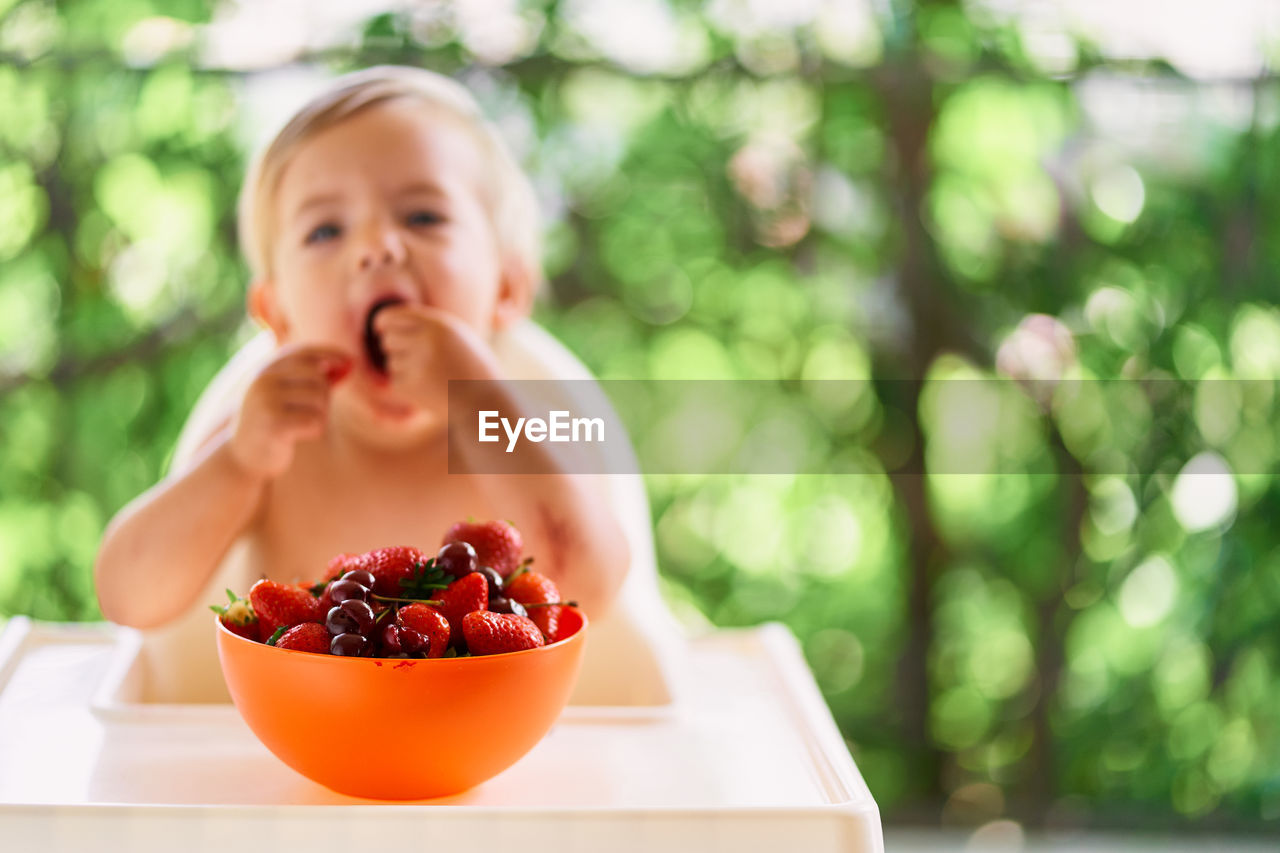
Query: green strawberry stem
<point x="221" y="609"/>
<point x="427" y="576"/>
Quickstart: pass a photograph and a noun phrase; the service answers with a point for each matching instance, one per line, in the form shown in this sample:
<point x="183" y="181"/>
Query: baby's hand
<point x="287" y="402"/>
<point x="426" y="347"/>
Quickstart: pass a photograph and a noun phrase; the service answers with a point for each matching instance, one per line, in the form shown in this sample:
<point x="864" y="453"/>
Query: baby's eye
<point x="425" y="217"/>
<point x="320" y="233"/>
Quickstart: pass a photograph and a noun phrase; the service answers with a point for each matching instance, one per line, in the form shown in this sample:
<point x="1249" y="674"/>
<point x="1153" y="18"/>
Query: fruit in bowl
<point x="401" y="676"/>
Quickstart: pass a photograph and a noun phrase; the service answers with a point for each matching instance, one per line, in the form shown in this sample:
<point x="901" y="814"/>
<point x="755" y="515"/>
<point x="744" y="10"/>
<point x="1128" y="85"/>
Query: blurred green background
<point x="916" y="192"/>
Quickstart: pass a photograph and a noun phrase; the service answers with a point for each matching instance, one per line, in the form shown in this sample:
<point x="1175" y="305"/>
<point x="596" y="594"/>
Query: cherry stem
<point x="551" y="604"/>
<point x="408" y="600"/>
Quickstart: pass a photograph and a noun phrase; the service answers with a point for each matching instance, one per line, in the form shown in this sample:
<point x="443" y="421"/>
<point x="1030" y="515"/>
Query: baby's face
<point x="385" y="205"/>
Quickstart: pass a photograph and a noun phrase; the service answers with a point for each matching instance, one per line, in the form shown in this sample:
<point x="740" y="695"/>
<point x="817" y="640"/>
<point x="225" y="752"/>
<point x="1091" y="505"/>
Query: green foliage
<point x="1050" y="602"/>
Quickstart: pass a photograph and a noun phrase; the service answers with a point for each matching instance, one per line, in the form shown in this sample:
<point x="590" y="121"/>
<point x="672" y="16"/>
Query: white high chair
<point x="633" y="654"/>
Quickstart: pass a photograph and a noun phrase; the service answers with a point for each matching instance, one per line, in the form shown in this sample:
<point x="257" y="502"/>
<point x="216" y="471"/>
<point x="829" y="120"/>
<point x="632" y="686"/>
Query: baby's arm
<point x="162" y="549"/>
<point x="572" y="533"/>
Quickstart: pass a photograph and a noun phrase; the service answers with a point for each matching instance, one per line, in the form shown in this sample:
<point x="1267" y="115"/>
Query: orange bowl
<point x="399" y="729"/>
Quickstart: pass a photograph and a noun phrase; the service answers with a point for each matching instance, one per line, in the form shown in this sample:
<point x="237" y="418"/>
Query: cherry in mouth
<point x="372" y="343"/>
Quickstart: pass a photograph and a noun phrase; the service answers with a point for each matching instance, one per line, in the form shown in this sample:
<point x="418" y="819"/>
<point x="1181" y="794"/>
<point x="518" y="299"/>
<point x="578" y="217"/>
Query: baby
<point x="391" y="236"/>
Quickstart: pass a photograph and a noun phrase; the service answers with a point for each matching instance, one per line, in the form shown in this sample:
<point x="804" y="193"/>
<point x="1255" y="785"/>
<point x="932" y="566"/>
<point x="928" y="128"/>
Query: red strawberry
<point x="547" y="619"/>
<point x="529" y="587"/>
<point x="307" y="637"/>
<point x="340" y="565"/>
<point x="557" y="621"/>
<point x="467" y="593"/>
<point x="281" y="605"/>
<point x="428" y="622"/>
<point x="490" y="633"/>
<point x="389" y="566"/>
<point x="237" y="616"/>
<point x="497" y="543"/>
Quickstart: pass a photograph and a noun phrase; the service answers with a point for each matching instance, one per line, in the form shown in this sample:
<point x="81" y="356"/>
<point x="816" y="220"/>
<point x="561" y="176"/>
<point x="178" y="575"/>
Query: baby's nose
<point x="376" y="257"/>
<point x="379" y="250"/>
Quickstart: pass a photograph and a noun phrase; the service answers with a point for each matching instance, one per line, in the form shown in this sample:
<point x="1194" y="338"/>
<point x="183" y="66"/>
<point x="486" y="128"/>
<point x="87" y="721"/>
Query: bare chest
<point x="322" y="507"/>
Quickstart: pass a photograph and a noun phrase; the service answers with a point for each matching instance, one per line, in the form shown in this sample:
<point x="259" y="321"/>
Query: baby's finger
<point x="396" y="347"/>
<point x="399" y="341"/>
<point x="323" y="369"/>
<point x="315" y="358"/>
<point x="305" y="398"/>
<point x="335" y="373"/>
<point x="302" y="421"/>
<point x="294" y="412"/>
<point x="405" y="317"/>
<point x="310" y="382"/>
<point x="408" y="363"/>
<point x="321" y="352"/>
<point x="389" y="316"/>
<point x="414" y="346"/>
<point x="400" y="366"/>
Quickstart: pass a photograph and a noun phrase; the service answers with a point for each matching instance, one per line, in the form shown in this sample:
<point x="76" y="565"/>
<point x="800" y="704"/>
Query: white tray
<point x="747" y="758"/>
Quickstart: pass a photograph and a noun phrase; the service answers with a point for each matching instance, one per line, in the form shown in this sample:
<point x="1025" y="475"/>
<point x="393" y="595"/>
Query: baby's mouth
<point x="372" y="342"/>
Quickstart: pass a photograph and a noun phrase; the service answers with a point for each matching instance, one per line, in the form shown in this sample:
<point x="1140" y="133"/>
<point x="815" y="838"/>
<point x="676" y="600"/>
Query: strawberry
<point x="467" y="593"/>
<point x="390" y="566"/>
<point x="428" y="622"/>
<point x="547" y="619"/>
<point x="337" y="567"/>
<point x="490" y="633"/>
<point x="307" y="637"/>
<point x="340" y="565"/>
<point x="280" y="605"/>
<point x="497" y="543"/>
<point x="237" y="616"/>
<point x="530" y="587"/>
<point x="570" y="622"/>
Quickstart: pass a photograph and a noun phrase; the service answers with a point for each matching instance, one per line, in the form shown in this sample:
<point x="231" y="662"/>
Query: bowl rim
<point x="217" y="620"/>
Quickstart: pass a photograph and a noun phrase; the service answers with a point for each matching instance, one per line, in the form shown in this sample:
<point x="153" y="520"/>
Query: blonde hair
<point x="511" y="200"/>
